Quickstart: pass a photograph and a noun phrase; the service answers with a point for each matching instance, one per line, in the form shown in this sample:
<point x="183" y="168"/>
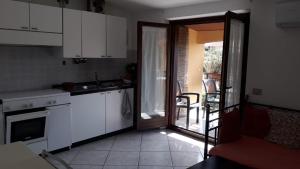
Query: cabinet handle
<point x="78" y="56"/>
<point x="103" y="56"/>
<point x="34" y="28"/>
<point x="109" y="56"/>
<point x="24" y="27"/>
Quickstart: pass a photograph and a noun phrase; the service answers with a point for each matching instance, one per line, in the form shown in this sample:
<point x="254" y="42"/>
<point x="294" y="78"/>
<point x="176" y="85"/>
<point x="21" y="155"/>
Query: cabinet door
<point x="59" y="127"/>
<point x="93" y="35"/>
<point x="113" y="110"/>
<point x="88" y="116"/>
<point x="116" y="37"/>
<point x="14" y="15"/>
<point x="72" y="33"/>
<point x="45" y="18"/>
<point x="116" y="118"/>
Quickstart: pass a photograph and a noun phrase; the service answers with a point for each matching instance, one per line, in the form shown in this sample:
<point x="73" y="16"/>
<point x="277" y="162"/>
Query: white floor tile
<point x="186" y="159"/>
<point x="152" y="145"/>
<point x="154" y="167"/>
<point x="90" y="157"/>
<point x="157" y="135"/>
<point x="155" y="158"/>
<point x="178" y="145"/>
<point x="67" y="156"/>
<point x="105" y="144"/>
<point x="126" y="145"/>
<point x="86" y="167"/>
<point x="120" y="167"/>
<point x="136" y="136"/>
<point x="123" y="158"/>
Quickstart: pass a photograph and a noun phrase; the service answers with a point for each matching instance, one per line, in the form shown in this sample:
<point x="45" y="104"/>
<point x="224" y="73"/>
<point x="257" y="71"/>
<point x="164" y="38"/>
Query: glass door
<point x="234" y="55"/>
<point x="152" y="75"/>
<point x="209" y="57"/>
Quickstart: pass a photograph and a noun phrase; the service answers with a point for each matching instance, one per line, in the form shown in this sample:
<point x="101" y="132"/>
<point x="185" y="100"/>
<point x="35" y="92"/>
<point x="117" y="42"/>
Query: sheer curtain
<point x="154" y="61"/>
<point x="235" y="56"/>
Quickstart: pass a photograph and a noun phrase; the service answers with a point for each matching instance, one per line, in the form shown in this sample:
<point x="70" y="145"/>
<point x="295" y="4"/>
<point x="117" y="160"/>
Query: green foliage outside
<point x="212" y="59"/>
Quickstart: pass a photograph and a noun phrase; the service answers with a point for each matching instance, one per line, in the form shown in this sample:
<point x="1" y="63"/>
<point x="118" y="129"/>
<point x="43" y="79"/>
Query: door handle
<point x="229" y="87"/>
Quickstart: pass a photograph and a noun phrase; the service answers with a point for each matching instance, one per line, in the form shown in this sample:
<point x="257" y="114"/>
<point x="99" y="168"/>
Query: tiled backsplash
<point x="29" y="68"/>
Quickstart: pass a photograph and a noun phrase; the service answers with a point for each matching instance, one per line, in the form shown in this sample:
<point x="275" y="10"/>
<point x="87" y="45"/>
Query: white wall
<point x="274" y="53"/>
<point x="274" y="58"/>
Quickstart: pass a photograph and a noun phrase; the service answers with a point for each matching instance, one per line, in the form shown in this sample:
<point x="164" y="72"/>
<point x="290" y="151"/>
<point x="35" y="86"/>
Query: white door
<point x="93" y="35"/>
<point x="59" y="127"/>
<point x="72" y="33"/>
<point x="14" y="15"/>
<point x="45" y="18"/>
<point x="88" y="116"/>
<point x="116" y="37"/>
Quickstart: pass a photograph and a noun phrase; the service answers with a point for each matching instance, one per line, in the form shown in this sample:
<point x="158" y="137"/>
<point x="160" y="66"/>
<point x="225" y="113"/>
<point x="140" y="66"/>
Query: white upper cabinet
<point x="93" y="35"/>
<point x="72" y="33"/>
<point x="14" y="15"/>
<point x="45" y="18"/>
<point x="116" y="37"/>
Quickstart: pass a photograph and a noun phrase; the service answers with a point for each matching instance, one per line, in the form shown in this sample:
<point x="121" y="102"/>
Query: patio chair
<point x="183" y="100"/>
<point x="212" y="95"/>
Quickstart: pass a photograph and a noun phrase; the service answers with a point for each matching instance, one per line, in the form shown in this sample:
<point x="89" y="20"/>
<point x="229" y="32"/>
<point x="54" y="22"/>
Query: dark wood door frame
<point x="158" y="122"/>
<point x="173" y="62"/>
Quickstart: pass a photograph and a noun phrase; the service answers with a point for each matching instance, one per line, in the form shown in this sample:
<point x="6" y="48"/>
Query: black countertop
<point x="94" y="87"/>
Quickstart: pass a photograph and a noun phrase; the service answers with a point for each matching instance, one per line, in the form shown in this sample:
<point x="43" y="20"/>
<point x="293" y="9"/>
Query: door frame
<point x="154" y="123"/>
<point x="173" y="63"/>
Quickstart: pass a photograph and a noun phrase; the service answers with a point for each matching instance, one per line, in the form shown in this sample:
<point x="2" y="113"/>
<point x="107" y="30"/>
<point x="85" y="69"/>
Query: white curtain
<point x="234" y="70"/>
<point x="154" y="60"/>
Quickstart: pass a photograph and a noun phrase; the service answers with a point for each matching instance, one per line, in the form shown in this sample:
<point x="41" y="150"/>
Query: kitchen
<point x="45" y="52"/>
<point x="68" y="86"/>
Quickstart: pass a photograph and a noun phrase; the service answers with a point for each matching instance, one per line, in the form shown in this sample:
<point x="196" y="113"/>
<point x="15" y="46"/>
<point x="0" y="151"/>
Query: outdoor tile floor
<point x="155" y="149"/>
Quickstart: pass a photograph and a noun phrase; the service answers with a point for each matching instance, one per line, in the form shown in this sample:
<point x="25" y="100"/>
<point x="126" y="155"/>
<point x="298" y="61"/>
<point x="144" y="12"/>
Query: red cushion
<point x="258" y="153"/>
<point x="230" y="130"/>
<point x="256" y="122"/>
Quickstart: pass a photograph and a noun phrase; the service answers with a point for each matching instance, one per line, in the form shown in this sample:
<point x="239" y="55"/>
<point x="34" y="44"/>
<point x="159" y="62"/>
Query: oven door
<point x="29" y="127"/>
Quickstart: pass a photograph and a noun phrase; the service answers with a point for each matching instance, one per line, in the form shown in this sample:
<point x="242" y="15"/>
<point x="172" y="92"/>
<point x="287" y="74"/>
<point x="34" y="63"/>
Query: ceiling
<point x="207" y="27"/>
<point x="155" y="4"/>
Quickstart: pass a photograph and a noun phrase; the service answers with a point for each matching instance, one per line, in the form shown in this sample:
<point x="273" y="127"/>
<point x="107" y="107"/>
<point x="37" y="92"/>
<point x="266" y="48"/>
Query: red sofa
<point x="251" y="147"/>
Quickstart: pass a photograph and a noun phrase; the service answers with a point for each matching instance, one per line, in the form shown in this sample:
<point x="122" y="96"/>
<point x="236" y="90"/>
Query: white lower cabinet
<point x="88" y="116"/>
<point x="59" y="127"/>
<point x="116" y="116"/>
<point x="99" y="113"/>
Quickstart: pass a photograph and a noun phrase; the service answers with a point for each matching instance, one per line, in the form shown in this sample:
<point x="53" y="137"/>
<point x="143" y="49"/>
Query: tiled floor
<point x="156" y="149"/>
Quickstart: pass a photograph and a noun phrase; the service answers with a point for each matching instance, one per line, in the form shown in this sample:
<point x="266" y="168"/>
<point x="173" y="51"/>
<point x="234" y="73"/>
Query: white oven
<point x="29" y="126"/>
